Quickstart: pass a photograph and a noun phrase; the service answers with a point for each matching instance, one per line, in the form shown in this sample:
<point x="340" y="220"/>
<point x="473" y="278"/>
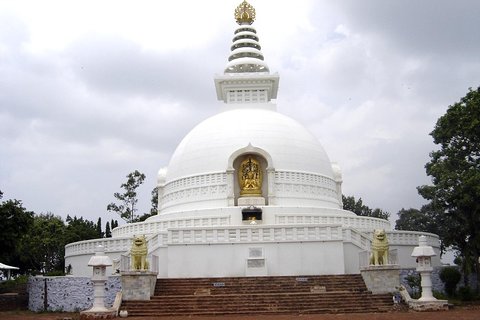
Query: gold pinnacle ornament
<point x="244" y="13"/>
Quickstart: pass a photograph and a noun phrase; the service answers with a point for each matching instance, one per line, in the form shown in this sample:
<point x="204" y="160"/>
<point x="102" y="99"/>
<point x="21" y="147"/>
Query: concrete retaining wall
<point x="68" y="294"/>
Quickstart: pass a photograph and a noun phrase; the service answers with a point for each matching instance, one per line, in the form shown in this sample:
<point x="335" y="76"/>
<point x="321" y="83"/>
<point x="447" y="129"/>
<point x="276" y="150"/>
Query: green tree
<point x="16" y="221"/>
<point x="412" y="219"/>
<point x="357" y="207"/>
<point x="153" y="209"/>
<point x="128" y="199"/>
<point x="108" y="232"/>
<point x="455" y="172"/>
<point x="154" y="201"/>
<point x="99" y="228"/>
<point x="43" y="247"/>
<point x="79" y="229"/>
<point x="427" y="219"/>
<point x="113" y="224"/>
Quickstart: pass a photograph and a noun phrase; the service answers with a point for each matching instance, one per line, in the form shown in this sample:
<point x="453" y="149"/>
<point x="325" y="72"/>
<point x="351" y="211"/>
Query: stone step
<point x="260" y="295"/>
<point x="284" y="302"/>
<point x="260" y="284"/>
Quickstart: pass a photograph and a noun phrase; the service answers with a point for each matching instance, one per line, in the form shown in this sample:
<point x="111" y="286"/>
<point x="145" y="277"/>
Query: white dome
<point x="208" y="147"/>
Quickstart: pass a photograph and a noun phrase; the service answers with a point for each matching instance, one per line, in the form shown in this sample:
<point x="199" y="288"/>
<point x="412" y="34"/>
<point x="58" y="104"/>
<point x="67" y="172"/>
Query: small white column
<point x="99" y="262"/>
<point x="424" y="254"/>
<point x="230" y="187"/>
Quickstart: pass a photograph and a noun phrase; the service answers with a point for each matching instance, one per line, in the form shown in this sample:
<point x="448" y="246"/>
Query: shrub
<point x="439" y="295"/>
<point x="450" y="277"/>
<point x="465" y="294"/>
<point x="11" y="285"/>
<point x="414" y="282"/>
<point x="55" y="273"/>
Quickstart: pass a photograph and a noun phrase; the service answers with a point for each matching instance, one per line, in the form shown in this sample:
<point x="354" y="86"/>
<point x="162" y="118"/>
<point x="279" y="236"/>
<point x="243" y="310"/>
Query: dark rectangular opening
<point x="251" y="214"/>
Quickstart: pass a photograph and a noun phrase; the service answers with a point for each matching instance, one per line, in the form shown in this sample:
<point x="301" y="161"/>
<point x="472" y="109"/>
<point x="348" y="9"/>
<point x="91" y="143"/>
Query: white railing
<point x="409" y="238"/>
<point x="152" y="227"/>
<point x="248" y="234"/>
<point x="336" y="217"/>
<point x="364" y="258"/>
<point x="88" y="246"/>
<point x="125" y="263"/>
<point x="356" y="237"/>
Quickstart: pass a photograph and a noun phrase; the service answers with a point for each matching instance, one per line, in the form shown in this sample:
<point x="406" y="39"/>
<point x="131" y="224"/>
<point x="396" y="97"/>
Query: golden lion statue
<point x="379" y="255"/>
<point x="138" y="253"/>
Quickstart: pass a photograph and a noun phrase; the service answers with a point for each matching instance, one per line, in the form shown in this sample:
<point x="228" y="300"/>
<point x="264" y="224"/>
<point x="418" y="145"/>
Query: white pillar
<point x="426" y="283"/>
<point x="99" y="262"/>
<point x="424" y="254"/>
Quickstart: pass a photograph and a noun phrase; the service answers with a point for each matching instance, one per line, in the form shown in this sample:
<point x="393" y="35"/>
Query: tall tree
<point x="16" y="221"/>
<point x="455" y="173"/>
<point x="113" y="224"/>
<point x="357" y="207"/>
<point x="153" y="209"/>
<point x="108" y="233"/>
<point x="99" y="228"/>
<point x="154" y="201"/>
<point x="128" y="199"/>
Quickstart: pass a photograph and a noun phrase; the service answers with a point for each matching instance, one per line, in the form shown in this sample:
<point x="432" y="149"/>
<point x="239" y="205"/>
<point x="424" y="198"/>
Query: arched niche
<point x="266" y="167"/>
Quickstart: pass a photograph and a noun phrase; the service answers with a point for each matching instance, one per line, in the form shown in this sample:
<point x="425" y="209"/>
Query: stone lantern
<point x="424" y="254"/>
<point x="99" y="262"/>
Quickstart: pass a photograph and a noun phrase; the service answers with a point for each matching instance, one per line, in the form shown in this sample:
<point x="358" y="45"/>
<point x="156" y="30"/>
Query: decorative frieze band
<point x="197" y="188"/>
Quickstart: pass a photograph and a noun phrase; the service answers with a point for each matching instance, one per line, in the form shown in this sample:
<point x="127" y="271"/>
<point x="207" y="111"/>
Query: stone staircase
<point x="260" y="295"/>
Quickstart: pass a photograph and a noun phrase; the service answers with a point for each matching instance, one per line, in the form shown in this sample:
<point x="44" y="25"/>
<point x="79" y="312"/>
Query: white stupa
<point x="250" y="191"/>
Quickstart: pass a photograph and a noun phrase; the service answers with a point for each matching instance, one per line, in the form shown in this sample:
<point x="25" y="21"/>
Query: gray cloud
<point x="368" y="78"/>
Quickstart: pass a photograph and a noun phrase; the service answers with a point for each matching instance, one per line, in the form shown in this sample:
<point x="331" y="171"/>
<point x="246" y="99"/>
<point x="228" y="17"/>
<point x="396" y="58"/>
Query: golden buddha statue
<point x="250" y="177"/>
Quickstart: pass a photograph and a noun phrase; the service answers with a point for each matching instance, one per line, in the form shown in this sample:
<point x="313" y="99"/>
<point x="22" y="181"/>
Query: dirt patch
<point x="464" y="313"/>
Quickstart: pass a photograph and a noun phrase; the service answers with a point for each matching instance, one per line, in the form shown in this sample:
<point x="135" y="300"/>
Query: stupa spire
<point x="245" y="55"/>
<point x="246" y="79"/>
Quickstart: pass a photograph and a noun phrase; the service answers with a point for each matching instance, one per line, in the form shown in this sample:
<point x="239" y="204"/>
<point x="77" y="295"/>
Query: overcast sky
<point x="92" y="90"/>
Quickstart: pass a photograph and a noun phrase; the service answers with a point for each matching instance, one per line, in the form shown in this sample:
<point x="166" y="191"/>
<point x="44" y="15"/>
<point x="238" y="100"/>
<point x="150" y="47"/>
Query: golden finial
<point x="245" y="13"/>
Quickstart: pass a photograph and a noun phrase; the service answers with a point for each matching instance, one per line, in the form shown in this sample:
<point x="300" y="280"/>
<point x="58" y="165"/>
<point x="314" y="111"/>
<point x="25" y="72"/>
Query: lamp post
<point x="424" y="254"/>
<point x="99" y="262"/>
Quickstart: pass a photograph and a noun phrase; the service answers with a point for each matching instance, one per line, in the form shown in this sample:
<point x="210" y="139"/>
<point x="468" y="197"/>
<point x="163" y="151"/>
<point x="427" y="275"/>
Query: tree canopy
<point x="455" y="172"/>
<point x="16" y="220"/>
<point x="36" y="242"/>
<point x="357" y="207"/>
<point x="43" y="247"/>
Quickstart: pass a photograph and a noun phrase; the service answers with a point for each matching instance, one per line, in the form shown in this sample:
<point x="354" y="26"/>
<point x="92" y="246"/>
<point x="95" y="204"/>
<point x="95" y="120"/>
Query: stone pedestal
<point x="381" y="279"/>
<point x="433" y="305"/>
<point x="138" y="285"/>
<point x="251" y="201"/>
<point x="94" y="315"/>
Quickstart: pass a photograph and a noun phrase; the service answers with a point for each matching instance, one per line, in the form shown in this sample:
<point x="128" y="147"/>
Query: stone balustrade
<point x="409" y="238"/>
<point x="153" y="227"/>
<point x="333" y="216"/>
<point x="88" y="246"/>
<point x="247" y="234"/>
